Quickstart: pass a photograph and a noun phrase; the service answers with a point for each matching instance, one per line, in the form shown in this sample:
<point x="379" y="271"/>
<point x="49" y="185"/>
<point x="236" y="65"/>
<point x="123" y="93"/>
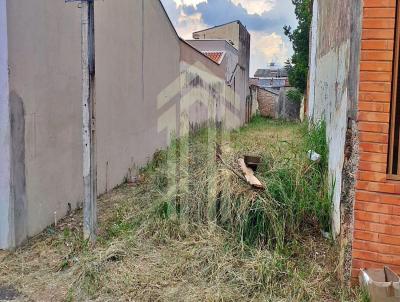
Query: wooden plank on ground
<point x="249" y="175"/>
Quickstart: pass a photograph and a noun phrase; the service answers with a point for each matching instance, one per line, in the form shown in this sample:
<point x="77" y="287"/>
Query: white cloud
<point x="256" y="6"/>
<point x="189" y="2"/>
<point x="186" y="25"/>
<point x="251" y="6"/>
<point x="266" y="49"/>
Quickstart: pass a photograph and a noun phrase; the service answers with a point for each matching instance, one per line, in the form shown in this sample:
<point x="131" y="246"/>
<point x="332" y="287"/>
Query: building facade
<point x="238" y="36"/>
<point x="267" y="101"/>
<point x="272" y="77"/>
<point x="353" y="83"/>
<point x="274" y="102"/>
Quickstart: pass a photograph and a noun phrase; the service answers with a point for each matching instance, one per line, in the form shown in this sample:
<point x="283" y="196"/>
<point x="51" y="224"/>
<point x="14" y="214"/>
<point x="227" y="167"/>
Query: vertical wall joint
<point x="6" y="229"/>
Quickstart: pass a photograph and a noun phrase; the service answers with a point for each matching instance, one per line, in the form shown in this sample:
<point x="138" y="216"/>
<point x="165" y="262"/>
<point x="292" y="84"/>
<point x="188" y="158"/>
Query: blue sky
<point x="264" y="20"/>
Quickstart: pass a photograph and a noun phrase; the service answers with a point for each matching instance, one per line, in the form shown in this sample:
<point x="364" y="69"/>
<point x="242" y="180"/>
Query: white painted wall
<point x="4" y="133"/>
<point x="313" y="60"/>
<point x="329" y="98"/>
<point x="331" y="94"/>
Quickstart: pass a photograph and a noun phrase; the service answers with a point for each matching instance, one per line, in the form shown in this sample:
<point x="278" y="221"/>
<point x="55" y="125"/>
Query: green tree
<point x="298" y="66"/>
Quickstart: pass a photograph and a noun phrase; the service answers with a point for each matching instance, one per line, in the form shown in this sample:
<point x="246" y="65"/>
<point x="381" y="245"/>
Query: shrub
<point x="294" y="95"/>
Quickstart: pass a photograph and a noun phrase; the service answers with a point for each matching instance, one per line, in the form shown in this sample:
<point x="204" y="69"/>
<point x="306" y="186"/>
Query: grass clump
<point x="296" y="195"/>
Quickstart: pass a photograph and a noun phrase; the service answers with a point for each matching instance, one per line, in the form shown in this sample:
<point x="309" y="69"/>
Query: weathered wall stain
<point x="287" y="109"/>
<point x="334" y="24"/>
<point x="239" y="36"/>
<point x="18" y="179"/>
<point x="355" y="56"/>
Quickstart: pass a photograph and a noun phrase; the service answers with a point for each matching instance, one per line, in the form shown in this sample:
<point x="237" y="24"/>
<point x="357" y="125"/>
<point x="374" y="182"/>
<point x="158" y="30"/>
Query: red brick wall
<point x="377" y="206"/>
<point x="267" y="103"/>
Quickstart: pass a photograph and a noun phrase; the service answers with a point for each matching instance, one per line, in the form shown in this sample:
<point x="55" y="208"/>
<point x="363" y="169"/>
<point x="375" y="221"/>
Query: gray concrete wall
<point x="254" y="102"/>
<point x="240" y="38"/>
<point x="203" y="81"/>
<point x="244" y="57"/>
<point x="233" y="111"/>
<point x="45" y="112"/>
<point x="141" y="65"/>
<point x="229" y="32"/>
<point x="231" y="58"/>
<point x="137" y="58"/>
<point x="334" y="55"/>
<point x="287" y="109"/>
<point x="202" y="89"/>
<point x="275" y="104"/>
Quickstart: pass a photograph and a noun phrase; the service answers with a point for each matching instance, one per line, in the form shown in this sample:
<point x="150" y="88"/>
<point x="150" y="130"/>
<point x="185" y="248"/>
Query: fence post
<point x="89" y="121"/>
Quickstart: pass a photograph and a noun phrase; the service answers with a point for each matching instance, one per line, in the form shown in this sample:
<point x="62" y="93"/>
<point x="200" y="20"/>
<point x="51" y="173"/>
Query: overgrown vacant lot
<point x="190" y="229"/>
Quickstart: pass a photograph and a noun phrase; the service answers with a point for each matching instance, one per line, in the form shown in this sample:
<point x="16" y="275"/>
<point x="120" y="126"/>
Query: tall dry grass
<point x="192" y="230"/>
<point x="198" y="188"/>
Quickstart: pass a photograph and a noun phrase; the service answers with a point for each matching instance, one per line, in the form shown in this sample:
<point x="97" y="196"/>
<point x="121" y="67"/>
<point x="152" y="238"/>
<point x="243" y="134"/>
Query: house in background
<point x="223" y="53"/>
<point x="235" y="34"/>
<point x="269" y="88"/>
<point x="272" y="77"/>
<point x="267" y="99"/>
<point x="354" y="87"/>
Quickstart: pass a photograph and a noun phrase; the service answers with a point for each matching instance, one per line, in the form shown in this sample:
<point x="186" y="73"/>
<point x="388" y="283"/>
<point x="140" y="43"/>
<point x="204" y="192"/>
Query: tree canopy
<point x="298" y="66"/>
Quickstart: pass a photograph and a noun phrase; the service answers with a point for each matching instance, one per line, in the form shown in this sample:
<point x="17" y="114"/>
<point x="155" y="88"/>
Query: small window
<point x="393" y="160"/>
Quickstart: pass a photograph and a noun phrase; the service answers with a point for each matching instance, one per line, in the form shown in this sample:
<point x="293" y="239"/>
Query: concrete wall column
<point x="313" y="61"/>
<point x="6" y="237"/>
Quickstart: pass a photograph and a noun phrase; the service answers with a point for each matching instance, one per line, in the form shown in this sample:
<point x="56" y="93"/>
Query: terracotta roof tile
<point x="216" y="56"/>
